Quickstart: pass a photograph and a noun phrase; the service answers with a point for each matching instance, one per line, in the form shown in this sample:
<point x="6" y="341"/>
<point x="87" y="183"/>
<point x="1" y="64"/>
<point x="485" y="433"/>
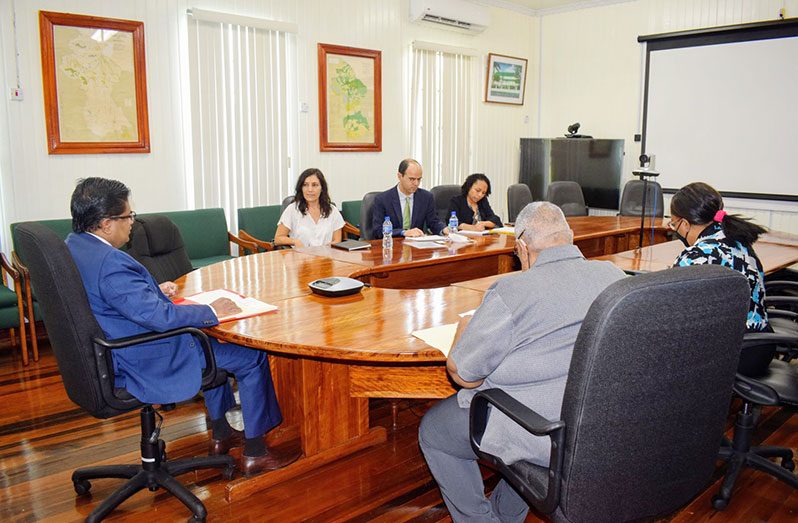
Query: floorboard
<point x="44" y="437"/>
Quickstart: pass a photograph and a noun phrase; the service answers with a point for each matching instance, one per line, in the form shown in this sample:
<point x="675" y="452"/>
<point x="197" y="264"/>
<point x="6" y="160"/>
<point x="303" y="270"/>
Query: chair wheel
<point x="229" y="472"/>
<point x="196" y="519"/>
<point x="719" y="503"/>
<point x="788" y="464"/>
<point x="82" y="487"/>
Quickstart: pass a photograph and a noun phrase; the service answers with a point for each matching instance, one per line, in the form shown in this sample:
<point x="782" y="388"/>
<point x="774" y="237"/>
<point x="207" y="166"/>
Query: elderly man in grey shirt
<point x="520" y="340"/>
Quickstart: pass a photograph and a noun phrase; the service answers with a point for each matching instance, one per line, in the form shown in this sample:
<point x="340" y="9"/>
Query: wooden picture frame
<point x="94" y="83"/>
<point x="350" y="113"/>
<point x="505" y="79"/>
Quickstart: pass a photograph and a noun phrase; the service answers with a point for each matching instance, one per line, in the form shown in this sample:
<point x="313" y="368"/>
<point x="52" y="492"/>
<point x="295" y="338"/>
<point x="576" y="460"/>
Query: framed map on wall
<point x="95" y="89"/>
<point x="350" y="99"/>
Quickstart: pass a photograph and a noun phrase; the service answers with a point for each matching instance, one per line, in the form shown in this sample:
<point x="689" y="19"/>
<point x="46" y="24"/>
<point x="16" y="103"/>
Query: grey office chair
<point x="567" y="196"/>
<point x="645" y="405"/>
<point x="443" y="194"/>
<point x="518" y="197"/>
<point x="366" y="220"/>
<point x="632" y="199"/>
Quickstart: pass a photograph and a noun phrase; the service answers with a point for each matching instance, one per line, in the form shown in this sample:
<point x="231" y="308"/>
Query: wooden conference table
<point x="660" y="256"/>
<point x="330" y="355"/>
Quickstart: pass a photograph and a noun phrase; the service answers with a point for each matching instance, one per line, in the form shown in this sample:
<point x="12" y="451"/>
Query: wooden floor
<point x="43" y="437"/>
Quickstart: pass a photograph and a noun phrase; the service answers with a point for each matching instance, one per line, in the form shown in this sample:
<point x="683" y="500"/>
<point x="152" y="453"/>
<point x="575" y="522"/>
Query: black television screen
<point x="595" y="164"/>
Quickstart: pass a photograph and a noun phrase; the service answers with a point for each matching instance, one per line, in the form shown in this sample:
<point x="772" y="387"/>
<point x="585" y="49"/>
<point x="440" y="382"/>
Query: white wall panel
<point x="37" y="185"/>
<point x="592" y="67"/>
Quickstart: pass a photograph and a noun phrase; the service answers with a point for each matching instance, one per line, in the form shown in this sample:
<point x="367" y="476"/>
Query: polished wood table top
<point x="270" y="277"/>
<point x="774" y="256"/>
<point x="584" y="227"/>
<point x="406" y="256"/>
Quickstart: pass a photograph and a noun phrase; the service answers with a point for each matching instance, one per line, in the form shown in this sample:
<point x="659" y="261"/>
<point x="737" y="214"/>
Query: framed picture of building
<point x="95" y="89"/>
<point x="350" y="98"/>
<point x="505" y="79"/>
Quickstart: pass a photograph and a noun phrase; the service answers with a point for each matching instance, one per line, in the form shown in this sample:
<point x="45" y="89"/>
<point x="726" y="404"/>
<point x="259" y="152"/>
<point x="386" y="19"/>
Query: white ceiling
<point x="536" y="7"/>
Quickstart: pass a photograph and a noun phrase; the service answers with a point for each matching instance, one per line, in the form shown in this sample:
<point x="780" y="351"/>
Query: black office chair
<point x="761" y="381"/>
<point x="632" y="199"/>
<point x="645" y="404"/>
<point x="443" y="194"/>
<point x="288" y="200"/>
<point x="366" y="209"/>
<point x="567" y="196"/>
<point x="84" y="361"/>
<point x="156" y="243"/>
<point x="518" y="197"/>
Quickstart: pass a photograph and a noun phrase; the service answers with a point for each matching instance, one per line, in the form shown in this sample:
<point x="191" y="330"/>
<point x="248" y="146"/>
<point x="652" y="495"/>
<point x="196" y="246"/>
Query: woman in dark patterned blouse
<point x="714" y="237"/>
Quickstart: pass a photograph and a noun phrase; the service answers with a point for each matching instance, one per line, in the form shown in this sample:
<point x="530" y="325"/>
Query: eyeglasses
<point x="674" y="225"/>
<point x="131" y="217"/>
<point x="518" y="237"/>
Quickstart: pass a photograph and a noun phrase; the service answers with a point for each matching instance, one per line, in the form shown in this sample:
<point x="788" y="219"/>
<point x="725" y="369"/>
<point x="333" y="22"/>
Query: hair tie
<point x="719" y="216"/>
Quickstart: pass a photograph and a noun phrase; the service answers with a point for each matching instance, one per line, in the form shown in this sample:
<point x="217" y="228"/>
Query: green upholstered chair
<point x="62" y="228"/>
<point x="205" y="235"/>
<point x="11" y="309"/>
<point x="351" y="213"/>
<point x="258" y="225"/>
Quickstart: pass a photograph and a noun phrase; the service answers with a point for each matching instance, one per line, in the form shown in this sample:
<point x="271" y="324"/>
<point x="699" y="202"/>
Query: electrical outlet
<point x="16" y="94"/>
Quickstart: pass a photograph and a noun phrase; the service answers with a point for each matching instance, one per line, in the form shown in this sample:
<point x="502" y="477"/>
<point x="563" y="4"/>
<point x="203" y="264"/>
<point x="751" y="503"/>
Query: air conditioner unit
<point x="451" y="14"/>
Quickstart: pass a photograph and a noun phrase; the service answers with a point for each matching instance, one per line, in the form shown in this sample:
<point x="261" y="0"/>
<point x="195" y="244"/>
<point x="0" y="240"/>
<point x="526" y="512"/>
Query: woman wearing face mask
<point x="311" y="220"/>
<point x="712" y="236"/>
<point x="471" y="206"/>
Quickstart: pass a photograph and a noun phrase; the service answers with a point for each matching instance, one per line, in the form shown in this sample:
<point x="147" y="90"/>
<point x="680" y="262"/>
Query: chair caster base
<point x="719" y="503"/>
<point x="82" y="487"/>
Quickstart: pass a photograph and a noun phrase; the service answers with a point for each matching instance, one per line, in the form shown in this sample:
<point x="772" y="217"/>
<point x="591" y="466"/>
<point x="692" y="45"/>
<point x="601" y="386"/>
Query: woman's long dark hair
<point x="698" y="202"/>
<point x="471" y="180"/>
<point x="324" y="197"/>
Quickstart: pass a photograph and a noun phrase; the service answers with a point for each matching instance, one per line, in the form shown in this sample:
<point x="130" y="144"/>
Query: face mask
<point x="681" y="239"/>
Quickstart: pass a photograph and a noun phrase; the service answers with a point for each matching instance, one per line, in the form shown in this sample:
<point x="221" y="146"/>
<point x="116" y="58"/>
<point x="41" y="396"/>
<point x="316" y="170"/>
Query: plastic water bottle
<point x="387" y="234"/>
<point x="453" y="223"/>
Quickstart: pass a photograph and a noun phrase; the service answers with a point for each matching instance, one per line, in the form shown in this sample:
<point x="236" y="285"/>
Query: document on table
<point x="427" y="238"/>
<point x="249" y="306"/>
<point x="426" y="245"/>
<point x="475" y="233"/>
<point x="441" y="337"/>
<point x="503" y="230"/>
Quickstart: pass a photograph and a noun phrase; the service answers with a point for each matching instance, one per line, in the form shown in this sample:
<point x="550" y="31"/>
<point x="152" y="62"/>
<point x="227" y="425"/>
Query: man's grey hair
<point x="542" y="225"/>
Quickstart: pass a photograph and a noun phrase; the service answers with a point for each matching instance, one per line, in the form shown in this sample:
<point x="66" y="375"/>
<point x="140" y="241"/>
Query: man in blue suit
<point x="127" y="301"/>
<point x="410" y="208"/>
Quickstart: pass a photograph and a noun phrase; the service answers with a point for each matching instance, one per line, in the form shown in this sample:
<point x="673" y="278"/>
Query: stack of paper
<point x="249" y="306"/>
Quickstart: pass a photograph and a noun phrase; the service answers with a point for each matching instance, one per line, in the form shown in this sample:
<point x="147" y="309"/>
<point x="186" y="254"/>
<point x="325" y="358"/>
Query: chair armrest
<point x="102" y="356"/>
<point x="533" y="423"/>
<point x="266" y="246"/>
<point x="527" y="418"/>
<point x="781" y="300"/>
<point x="242" y="244"/>
<point x="351" y="229"/>
<point x="19" y="266"/>
<point x="781" y="313"/>
<point x="750" y="389"/>
<point x="7" y="268"/>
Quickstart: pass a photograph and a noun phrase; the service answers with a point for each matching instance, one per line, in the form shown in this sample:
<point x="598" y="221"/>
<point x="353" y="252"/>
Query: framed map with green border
<point x="95" y="88"/>
<point x="350" y="98"/>
<point x="505" y="80"/>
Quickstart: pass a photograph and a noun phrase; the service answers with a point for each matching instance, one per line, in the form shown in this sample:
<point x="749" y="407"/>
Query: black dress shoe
<point x="272" y="460"/>
<point x="223" y="446"/>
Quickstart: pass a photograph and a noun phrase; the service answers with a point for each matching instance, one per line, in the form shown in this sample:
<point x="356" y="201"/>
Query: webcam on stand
<point x="647" y="166"/>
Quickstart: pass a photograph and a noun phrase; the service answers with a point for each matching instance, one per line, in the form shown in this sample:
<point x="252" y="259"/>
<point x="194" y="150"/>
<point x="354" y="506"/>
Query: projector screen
<point x="722" y="107"/>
